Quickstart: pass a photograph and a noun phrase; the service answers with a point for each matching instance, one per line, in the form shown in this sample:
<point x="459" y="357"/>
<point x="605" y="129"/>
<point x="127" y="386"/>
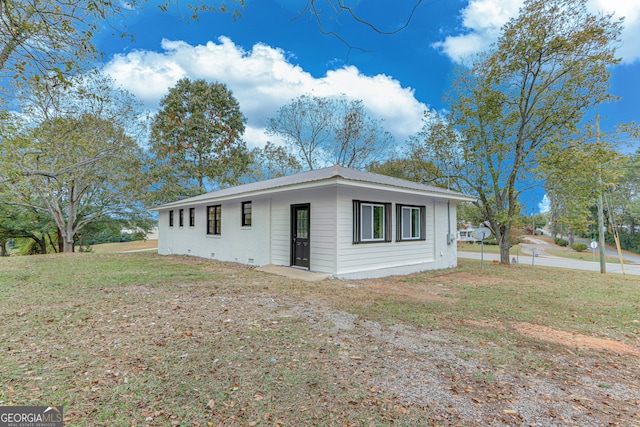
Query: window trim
<point x="214" y="225"/>
<point x="192" y="217"/>
<point x="244" y="215"/>
<point x="400" y="223"/>
<point x="181" y="218"/>
<point x="357" y="222"/>
<point x="171" y="218"/>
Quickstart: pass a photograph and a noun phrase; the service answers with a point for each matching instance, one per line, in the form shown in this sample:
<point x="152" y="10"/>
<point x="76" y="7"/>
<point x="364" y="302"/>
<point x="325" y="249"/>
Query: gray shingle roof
<point x="315" y="176"/>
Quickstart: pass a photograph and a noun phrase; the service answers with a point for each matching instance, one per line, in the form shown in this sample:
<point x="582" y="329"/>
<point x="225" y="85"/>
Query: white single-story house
<point x="340" y="221"/>
<point x="466" y="235"/>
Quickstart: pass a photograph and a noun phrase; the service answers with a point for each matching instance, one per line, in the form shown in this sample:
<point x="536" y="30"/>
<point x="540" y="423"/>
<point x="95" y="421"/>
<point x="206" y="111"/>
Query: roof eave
<point x="337" y="179"/>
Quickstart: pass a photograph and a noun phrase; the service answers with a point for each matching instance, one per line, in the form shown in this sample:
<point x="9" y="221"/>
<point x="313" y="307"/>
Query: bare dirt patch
<point x="567" y="339"/>
<point x="574" y="340"/>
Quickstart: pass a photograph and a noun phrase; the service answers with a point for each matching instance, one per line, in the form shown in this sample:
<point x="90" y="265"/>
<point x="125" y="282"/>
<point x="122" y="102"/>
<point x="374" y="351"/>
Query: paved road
<point x="550" y="261"/>
<point x="613" y="252"/>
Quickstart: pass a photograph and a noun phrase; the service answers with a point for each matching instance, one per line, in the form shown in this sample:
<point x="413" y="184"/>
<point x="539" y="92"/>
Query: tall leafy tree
<point x="196" y="141"/>
<point x="74" y="154"/>
<point x="330" y="131"/>
<point x="527" y="93"/>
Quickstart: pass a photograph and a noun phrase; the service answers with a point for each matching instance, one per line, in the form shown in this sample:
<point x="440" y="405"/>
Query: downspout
<point x="449" y="238"/>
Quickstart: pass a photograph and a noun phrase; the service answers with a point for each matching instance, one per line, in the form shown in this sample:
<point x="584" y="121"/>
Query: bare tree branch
<point x="339" y="7"/>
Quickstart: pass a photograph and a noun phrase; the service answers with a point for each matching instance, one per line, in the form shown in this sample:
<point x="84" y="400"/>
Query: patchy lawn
<point x="136" y="245"/>
<point x="140" y="339"/>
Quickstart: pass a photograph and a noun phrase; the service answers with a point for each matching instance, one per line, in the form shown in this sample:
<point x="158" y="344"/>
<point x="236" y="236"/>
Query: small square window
<point x="246" y="214"/>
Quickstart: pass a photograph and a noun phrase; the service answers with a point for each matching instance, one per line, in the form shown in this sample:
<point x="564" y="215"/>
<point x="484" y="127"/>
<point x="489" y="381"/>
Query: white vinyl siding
<point x="322" y="238"/>
<point x="353" y="258"/>
<point x="248" y="245"/>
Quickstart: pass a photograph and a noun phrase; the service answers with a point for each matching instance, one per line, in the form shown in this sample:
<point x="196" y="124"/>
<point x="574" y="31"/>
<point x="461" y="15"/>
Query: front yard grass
<point x="141" y="339"/>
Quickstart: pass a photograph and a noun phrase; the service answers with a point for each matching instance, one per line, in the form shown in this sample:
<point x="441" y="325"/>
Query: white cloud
<point x="544" y="205"/>
<point x="262" y="80"/>
<point x="482" y="20"/>
<point x="629" y="51"/>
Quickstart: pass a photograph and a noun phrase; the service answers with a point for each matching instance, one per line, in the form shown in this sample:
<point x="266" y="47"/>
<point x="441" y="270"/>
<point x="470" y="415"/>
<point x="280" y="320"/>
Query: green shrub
<point x="560" y="242"/>
<point x="579" y="246"/>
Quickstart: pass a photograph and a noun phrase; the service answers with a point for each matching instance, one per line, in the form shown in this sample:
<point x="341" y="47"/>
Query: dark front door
<point x="300" y="248"/>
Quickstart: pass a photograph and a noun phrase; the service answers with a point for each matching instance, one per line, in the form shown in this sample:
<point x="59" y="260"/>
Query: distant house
<point x="466" y="235"/>
<point x="348" y="223"/>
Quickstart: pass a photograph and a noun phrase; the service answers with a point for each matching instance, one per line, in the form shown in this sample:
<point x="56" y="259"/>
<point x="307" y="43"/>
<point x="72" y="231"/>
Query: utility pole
<point x="601" y="241"/>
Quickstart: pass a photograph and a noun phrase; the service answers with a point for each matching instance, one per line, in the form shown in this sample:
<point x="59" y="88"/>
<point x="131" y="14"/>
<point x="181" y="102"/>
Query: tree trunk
<point x="504" y="254"/>
<point x="60" y="241"/>
<point x="43" y="245"/>
<point x="67" y="244"/>
<point x="503" y="240"/>
<point x="570" y="237"/>
<point x="3" y="248"/>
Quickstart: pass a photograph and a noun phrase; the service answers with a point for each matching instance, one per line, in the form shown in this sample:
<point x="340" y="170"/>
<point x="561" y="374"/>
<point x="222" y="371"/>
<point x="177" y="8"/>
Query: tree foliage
<point x="196" y="141"/>
<point x="574" y="173"/>
<point x="411" y="168"/>
<point x="273" y="161"/>
<point x="23" y="222"/>
<point x="436" y="149"/>
<point x="547" y="69"/>
<point x="55" y="37"/>
<point x="628" y="192"/>
<point x="330" y="131"/>
<point x="74" y="154"/>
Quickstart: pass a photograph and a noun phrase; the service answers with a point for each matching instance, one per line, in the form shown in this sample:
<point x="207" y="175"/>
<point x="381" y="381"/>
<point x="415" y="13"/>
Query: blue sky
<point x="268" y="57"/>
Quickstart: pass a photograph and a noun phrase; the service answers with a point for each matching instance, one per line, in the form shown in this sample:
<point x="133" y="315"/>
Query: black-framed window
<point x="192" y="217"/>
<point x="170" y="218"/>
<point x="371" y="222"/>
<point x="214" y="219"/>
<point x="246" y="214"/>
<point x="411" y="222"/>
<point x="181" y="218"/>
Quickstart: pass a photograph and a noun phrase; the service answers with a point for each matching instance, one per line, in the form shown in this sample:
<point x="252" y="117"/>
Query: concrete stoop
<point x="294" y="273"/>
